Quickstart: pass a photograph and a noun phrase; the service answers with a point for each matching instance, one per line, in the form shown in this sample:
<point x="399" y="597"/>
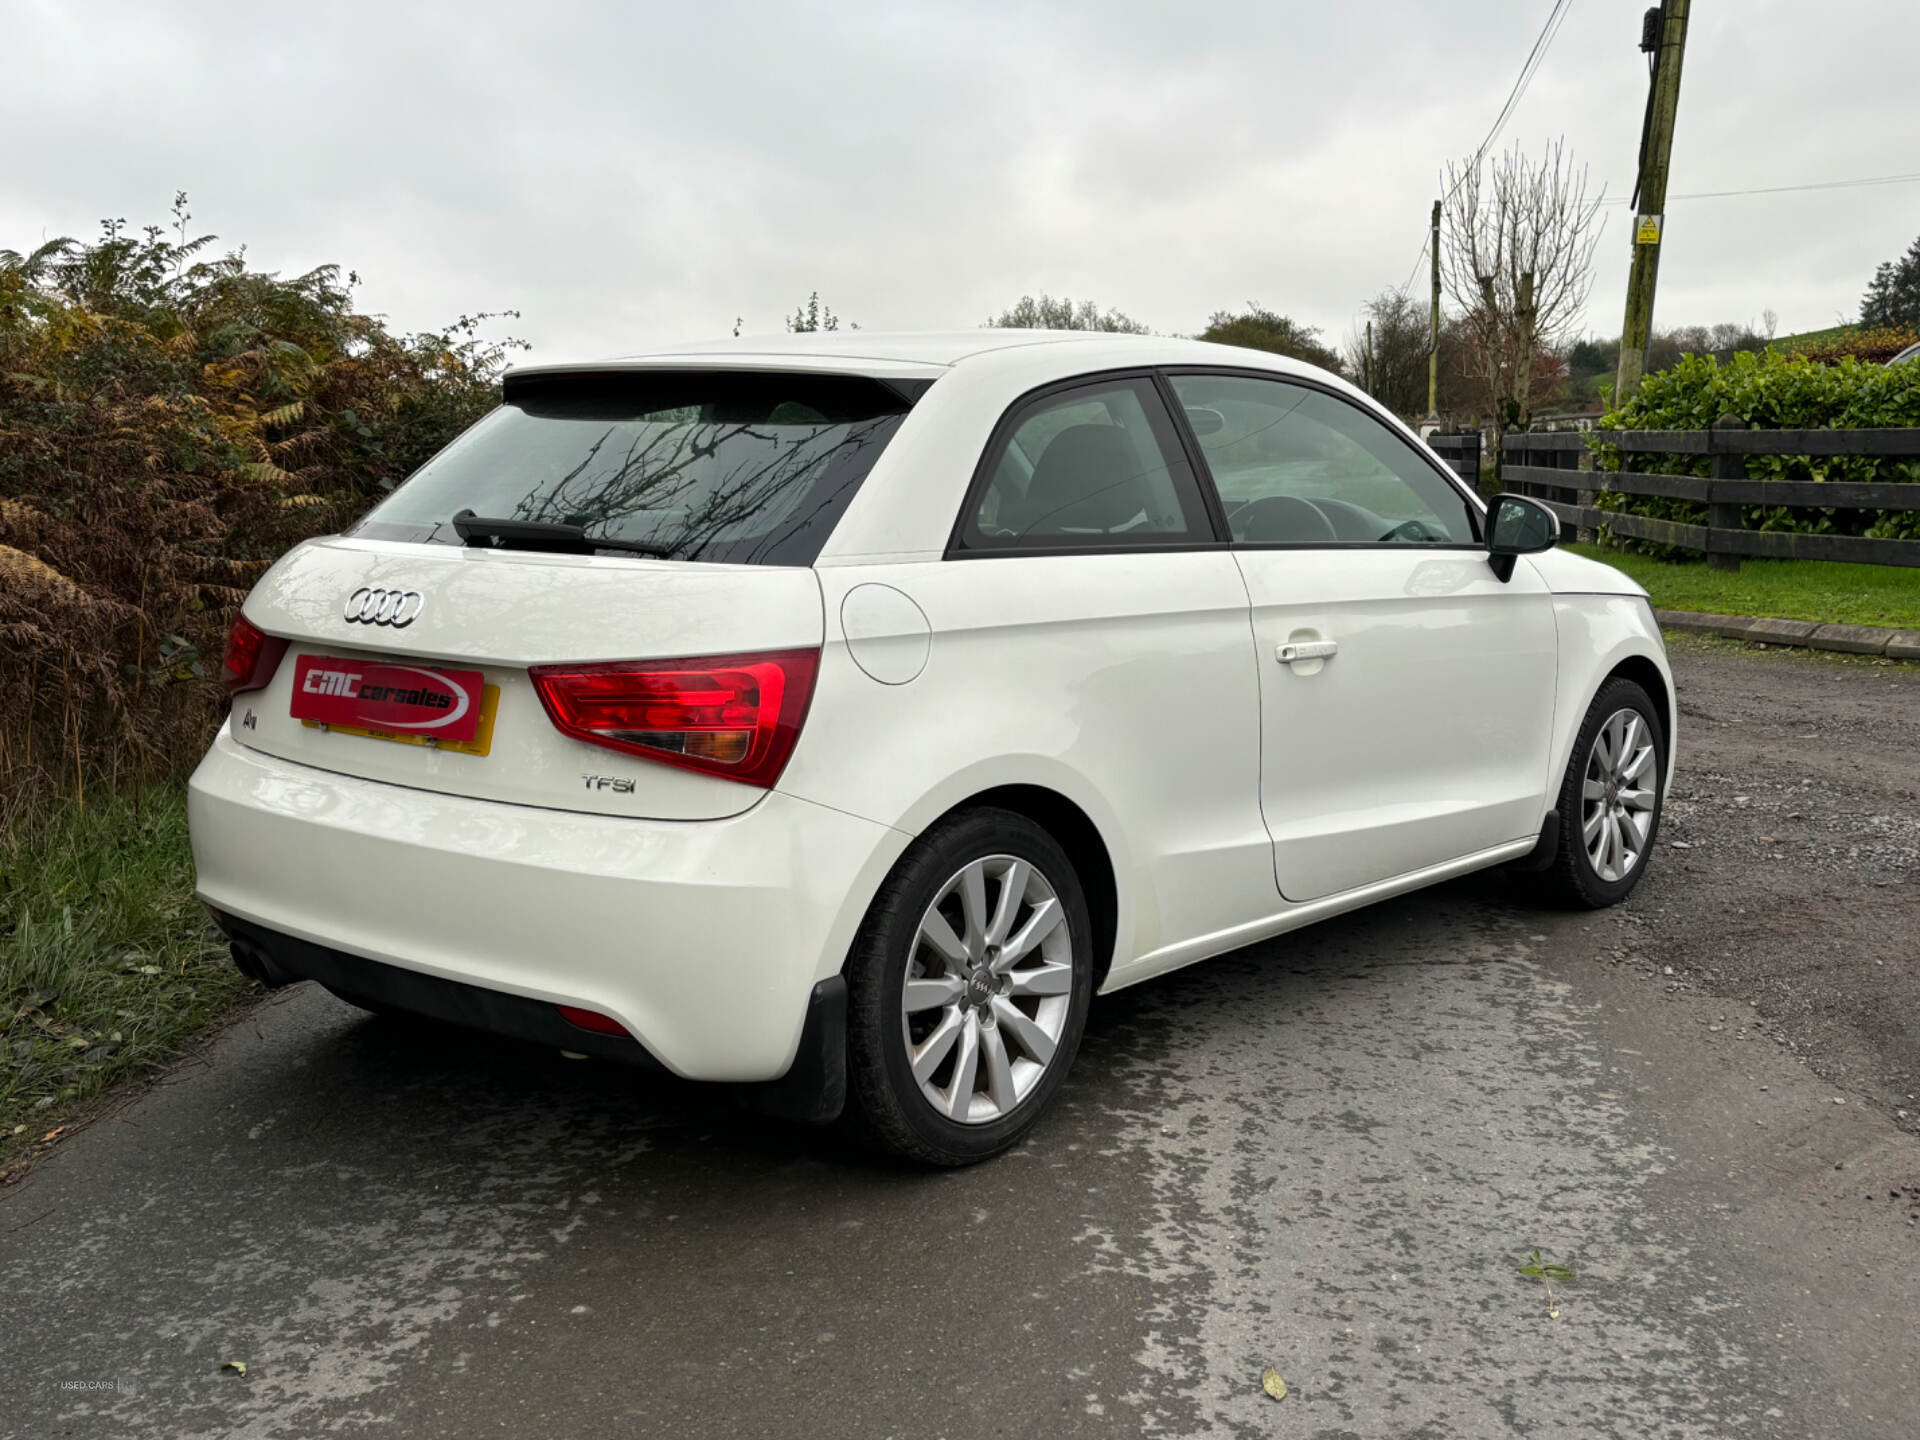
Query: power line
<point x="1788" y="189"/>
<point x="1555" y="18"/>
<point x="1407" y="283"/>
<point x="1528" y="69"/>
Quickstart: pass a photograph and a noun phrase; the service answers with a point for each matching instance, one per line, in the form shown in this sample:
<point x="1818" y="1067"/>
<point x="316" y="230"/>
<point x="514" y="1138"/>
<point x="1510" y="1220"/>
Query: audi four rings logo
<point x="397" y="608"/>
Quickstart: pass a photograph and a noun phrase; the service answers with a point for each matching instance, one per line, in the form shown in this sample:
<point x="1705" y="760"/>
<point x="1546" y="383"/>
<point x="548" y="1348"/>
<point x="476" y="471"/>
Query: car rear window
<point x="733" y="468"/>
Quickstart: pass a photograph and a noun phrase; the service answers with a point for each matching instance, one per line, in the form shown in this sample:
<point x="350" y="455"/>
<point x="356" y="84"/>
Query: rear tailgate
<point x="498" y="612"/>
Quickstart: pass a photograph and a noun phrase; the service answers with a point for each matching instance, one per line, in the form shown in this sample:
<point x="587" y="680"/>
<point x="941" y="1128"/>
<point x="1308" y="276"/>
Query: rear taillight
<point x="252" y="657"/>
<point x="731" y="715"/>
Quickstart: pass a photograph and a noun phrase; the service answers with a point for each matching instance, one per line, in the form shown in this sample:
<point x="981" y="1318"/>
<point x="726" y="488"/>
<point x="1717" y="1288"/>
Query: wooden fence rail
<point x="1461" y="451"/>
<point x="1556" y="469"/>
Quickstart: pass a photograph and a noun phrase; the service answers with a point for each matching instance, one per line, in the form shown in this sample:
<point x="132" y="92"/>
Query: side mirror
<point x="1518" y="525"/>
<point x="1205" y="420"/>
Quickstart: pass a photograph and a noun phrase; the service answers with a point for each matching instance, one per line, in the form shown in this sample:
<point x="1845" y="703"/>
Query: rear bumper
<point x="278" y="959"/>
<point x="706" y="939"/>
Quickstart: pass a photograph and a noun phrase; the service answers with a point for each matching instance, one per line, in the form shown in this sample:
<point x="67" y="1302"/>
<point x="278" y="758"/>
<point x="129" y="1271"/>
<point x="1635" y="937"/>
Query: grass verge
<point x="1782" y="589"/>
<point x="108" y="965"/>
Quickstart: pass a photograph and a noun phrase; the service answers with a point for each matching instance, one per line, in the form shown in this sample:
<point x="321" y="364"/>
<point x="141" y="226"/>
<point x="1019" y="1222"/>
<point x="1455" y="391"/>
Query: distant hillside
<point x="1871" y="343"/>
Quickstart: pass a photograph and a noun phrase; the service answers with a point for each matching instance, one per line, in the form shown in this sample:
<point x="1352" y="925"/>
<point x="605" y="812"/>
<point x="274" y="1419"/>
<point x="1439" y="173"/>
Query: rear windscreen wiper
<point x="508" y="534"/>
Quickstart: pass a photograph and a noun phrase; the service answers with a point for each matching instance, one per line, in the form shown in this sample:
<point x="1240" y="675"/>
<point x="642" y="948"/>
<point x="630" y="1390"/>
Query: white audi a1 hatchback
<point x="836" y="715"/>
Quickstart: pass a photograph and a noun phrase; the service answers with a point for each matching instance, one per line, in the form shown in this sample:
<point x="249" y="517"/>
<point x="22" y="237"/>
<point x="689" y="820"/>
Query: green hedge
<point x="1771" y="391"/>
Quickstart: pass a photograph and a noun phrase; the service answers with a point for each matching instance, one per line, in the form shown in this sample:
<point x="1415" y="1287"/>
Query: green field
<point x="1782" y="589"/>
<point x="1812" y="339"/>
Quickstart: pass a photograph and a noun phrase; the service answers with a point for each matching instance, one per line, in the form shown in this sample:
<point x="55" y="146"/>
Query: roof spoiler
<point x="518" y="383"/>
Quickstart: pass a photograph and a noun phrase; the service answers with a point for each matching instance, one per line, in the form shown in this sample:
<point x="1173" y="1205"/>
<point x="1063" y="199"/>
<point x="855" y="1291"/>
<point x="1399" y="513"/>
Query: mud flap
<point x="1541" y="856"/>
<point x="814" y="1089"/>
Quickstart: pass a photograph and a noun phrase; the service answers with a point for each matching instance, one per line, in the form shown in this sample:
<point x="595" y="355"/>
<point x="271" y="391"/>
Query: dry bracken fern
<point x="169" y="424"/>
<point x="29" y="578"/>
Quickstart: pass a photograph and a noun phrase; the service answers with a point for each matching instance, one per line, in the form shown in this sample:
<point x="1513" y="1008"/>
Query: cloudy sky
<point x="627" y="174"/>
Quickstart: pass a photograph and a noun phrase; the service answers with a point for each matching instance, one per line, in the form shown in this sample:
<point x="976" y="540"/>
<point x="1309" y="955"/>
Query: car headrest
<point x="1088" y="478"/>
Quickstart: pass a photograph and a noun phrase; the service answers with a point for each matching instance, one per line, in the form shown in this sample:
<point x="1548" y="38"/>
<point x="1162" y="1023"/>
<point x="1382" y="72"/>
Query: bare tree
<point x="1399" y="370"/>
<point x="1517" y="261"/>
<point x="1047" y="313"/>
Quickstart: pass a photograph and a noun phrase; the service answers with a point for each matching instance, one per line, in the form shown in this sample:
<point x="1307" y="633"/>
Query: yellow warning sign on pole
<point x="1646" y="230"/>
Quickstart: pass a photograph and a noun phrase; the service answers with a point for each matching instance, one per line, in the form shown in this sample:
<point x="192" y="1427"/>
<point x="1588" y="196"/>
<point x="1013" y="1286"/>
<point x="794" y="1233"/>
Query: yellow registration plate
<point x="480" y="744"/>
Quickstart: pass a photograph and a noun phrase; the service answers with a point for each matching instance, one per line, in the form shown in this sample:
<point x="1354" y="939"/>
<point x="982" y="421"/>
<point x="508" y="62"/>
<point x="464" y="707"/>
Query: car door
<point x="1092" y="615"/>
<point x="1406" y="692"/>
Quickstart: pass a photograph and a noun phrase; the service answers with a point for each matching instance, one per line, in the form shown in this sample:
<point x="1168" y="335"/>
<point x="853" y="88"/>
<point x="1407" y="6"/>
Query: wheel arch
<point x="1635" y="665"/>
<point x="1648" y="676"/>
<point x="1080" y="837"/>
<point x="1603" y="638"/>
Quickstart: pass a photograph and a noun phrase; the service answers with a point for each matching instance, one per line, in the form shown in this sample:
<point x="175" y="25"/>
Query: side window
<point x="1099" y="465"/>
<point x="1298" y="466"/>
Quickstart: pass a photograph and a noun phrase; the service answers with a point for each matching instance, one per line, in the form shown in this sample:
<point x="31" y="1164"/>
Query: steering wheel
<point x="1417" y="532"/>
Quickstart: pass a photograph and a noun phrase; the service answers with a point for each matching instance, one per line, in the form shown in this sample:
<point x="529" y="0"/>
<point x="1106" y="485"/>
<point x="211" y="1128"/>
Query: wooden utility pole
<point x="1664" y="33"/>
<point x="1433" y="322"/>
<point x="1368" y="386"/>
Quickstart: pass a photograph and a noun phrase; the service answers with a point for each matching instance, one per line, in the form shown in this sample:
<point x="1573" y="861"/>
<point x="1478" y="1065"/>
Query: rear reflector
<point x="252" y="657"/>
<point x="591" y="1020"/>
<point x="736" y="716"/>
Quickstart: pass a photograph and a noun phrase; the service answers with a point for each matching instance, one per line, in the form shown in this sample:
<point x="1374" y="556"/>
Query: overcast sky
<point x="627" y="174"/>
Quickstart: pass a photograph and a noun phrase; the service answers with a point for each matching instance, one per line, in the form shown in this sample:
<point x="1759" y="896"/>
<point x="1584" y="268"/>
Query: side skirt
<point x="1187" y="952"/>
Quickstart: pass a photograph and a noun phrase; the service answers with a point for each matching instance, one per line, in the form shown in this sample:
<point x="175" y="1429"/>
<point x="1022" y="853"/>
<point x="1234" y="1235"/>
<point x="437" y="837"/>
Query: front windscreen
<point x="736" y="468"/>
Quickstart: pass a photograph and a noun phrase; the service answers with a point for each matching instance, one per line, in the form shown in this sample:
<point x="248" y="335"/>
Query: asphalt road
<point x="1328" y="1154"/>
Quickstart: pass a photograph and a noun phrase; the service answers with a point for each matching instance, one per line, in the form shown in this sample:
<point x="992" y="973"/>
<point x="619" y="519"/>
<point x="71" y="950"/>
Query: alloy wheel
<point x="1618" y="795"/>
<point x="988" y="990"/>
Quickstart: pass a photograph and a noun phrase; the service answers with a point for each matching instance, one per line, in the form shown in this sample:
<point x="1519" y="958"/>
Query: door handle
<point x="1306" y="650"/>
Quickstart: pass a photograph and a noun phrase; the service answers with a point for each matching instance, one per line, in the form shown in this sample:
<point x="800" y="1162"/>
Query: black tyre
<point x="1610" y="801"/>
<point x="967" y="989"/>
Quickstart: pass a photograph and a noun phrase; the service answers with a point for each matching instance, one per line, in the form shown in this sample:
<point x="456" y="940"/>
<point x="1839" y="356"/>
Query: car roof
<point x="928" y="354"/>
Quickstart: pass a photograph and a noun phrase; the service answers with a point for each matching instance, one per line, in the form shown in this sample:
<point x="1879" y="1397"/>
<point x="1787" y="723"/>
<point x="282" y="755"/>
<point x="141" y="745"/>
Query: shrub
<point x="170" y="423"/>
<point x="1773" y="392"/>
